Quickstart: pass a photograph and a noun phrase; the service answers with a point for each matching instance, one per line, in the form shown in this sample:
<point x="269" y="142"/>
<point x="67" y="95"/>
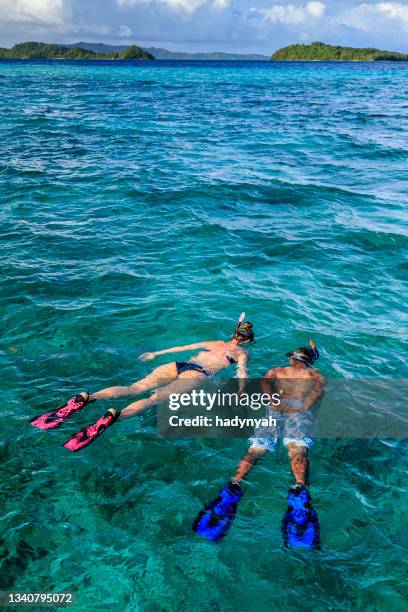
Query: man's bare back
<point x="304" y="385"/>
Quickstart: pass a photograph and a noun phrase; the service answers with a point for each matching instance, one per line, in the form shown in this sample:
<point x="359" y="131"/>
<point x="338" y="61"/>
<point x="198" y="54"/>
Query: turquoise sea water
<point x="146" y="205"/>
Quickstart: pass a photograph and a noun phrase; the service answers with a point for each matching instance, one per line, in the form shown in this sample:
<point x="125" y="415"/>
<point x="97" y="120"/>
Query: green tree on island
<point x="38" y="50"/>
<point x="318" y="51"/>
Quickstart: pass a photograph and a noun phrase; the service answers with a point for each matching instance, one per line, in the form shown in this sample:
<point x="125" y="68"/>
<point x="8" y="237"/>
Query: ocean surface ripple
<point x="146" y="205"/>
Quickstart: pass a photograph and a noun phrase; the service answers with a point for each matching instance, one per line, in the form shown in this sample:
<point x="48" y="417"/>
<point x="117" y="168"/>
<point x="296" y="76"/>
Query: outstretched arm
<point x="242" y="370"/>
<point x="178" y="349"/>
<point x="266" y="382"/>
<point x="242" y="365"/>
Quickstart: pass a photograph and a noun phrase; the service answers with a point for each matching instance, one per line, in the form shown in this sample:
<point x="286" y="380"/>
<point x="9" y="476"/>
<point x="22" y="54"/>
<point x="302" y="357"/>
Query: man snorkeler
<point x="299" y="386"/>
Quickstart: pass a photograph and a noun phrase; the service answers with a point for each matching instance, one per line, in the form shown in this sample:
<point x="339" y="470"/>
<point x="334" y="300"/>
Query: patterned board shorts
<point x="295" y="427"/>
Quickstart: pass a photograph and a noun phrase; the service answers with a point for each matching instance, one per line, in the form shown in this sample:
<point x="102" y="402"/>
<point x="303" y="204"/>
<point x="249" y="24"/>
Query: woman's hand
<point x="147" y="356"/>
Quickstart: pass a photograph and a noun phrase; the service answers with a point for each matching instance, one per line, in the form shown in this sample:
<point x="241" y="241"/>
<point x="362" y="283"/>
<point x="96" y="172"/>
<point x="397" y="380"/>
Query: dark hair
<point x="244" y="332"/>
<point x="306" y="354"/>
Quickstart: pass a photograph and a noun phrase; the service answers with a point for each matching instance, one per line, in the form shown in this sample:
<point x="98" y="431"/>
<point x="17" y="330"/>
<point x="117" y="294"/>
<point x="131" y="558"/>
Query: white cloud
<point x="369" y="17"/>
<point x="315" y="8"/>
<point x="324" y="20"/>
<point x="201" y="25"/>
<point x="37" y="11"/>
<point x="292" y="14"/>
<point x="124" y="31"/>
<point x="184" y="6"/>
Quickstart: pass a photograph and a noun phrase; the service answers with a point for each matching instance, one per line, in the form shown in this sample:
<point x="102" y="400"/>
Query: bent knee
<point x="133" y="388"/>
<point x="157" y="397"/>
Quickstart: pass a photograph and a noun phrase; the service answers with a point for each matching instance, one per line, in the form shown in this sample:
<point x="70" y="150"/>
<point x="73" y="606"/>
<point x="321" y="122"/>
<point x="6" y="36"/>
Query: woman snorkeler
<point x="162" y="381"/>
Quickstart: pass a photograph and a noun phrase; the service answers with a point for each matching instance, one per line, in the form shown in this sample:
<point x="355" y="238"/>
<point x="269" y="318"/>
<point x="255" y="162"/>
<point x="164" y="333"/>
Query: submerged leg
<point x="88" y="434"/>
<point x="162" y="375"/>
<point x="299" y="462"/>
<point x="248" y="461"/>
<point x="180" y="385"/>
<point x="215" y="519"/>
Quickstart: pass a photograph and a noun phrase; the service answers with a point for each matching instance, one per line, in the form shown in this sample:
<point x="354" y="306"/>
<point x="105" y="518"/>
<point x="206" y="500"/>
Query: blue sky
<point x="202" y="25"/>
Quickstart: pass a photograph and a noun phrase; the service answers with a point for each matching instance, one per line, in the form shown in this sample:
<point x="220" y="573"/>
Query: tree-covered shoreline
<point x="38" y="50"/>
<point x="318" y="51"/>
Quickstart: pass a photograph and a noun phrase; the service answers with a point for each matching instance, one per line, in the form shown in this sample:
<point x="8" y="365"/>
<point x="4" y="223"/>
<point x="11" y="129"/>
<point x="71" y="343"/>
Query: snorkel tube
<point x="241" y="319"/>
<point x="314" y="349"/>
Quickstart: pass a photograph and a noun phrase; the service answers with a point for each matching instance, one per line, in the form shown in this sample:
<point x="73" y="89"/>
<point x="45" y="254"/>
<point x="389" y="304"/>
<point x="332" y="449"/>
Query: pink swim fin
<point x="52" y="419"/>
<point x="88" y="434"/>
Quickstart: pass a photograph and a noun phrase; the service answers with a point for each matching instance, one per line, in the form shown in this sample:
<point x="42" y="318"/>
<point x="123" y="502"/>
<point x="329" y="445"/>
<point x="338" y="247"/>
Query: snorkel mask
<point x="243" y="329"/>
<point x="305" y="354"/>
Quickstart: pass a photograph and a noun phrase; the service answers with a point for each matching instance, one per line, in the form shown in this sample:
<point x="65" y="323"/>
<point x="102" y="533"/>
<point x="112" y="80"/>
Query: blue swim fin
<point x="300" y="523"/>
<point x="215" y="519"/>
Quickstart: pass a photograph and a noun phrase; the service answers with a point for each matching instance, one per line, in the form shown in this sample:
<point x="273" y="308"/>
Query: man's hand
<point x="147" y="356"/>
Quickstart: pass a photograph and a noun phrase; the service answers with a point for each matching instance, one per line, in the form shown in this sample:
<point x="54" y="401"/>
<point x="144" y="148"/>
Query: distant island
<point x="38" y="50"/>
<point x="164" y="54"/>
<point x="89" y="51"/>
<point x="314" y="52"/>
<point x="318" y="51"/>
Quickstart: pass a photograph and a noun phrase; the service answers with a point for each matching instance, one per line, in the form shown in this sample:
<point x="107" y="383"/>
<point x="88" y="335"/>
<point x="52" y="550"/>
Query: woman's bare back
<point x="218" y="356"/>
